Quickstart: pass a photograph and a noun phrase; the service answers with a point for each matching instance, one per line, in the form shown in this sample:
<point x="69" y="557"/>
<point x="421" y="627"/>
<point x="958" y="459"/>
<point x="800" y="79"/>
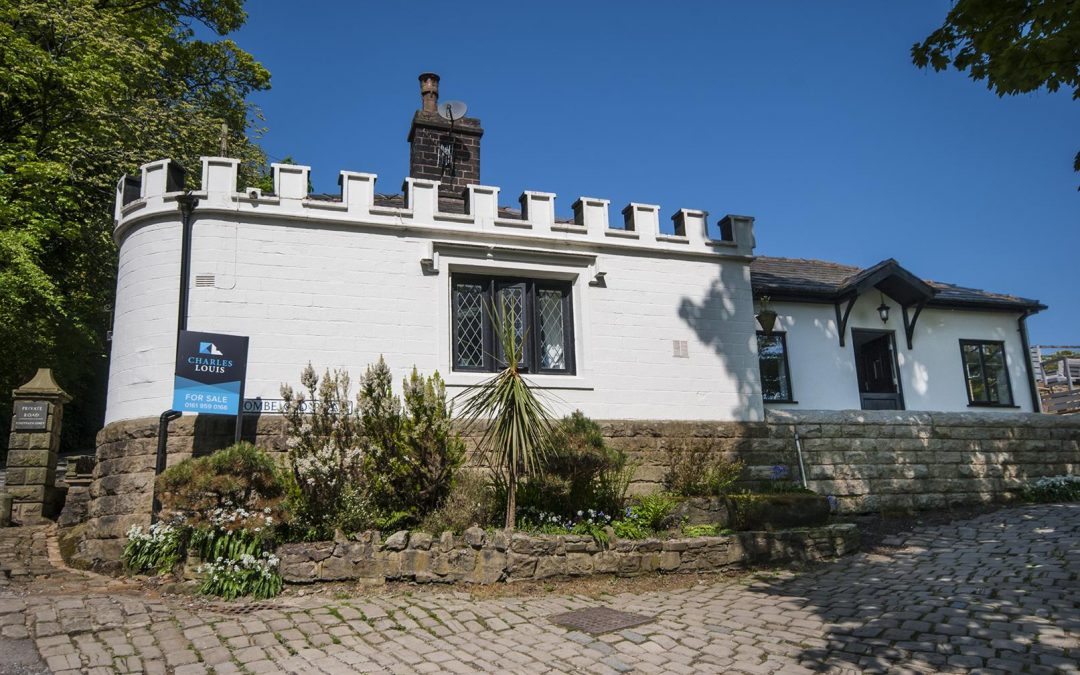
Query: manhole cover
<point x="598" y="620"/>
<point x="239" y="608"/>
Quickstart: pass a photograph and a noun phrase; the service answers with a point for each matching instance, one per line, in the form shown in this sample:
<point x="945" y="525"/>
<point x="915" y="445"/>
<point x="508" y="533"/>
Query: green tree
<point x="89" y="90"/>
<point x="1016" y="46"/>
<point x="517" y="425"/>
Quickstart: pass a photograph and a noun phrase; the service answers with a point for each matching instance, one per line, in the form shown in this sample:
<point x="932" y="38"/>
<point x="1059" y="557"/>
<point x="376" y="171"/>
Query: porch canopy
<point x="796" y="280"/>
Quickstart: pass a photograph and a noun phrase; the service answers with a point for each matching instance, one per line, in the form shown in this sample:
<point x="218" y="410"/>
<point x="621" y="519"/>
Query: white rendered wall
<point x="144" y="323"/>
<point x="338" y="285"/>
<point x="931" y="375"/>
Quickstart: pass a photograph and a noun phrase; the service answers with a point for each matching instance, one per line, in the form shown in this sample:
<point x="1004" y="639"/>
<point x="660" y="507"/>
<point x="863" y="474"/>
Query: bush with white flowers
<point x="224" y="507"/>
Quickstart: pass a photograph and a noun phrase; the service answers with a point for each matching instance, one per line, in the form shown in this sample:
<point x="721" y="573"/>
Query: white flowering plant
<point x="384" y="461"/>
<point x="1053" y="489"/>
<point x="226" y="507"/>
<point x="247" y="575"/>
<point x="158" y="548"/>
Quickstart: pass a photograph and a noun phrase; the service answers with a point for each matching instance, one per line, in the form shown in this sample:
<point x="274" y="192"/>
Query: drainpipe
<point x="159" y="464"/>
<point x="1021" y="323"/>
<point x="187" y="202"/>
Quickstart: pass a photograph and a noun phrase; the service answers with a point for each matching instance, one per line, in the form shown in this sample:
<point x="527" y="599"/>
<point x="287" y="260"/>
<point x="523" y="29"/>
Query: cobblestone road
<point x="998" y="593"/>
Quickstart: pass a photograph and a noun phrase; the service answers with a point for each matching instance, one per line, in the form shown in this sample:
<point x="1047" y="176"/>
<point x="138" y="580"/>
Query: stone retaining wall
<point x="868" y="460"/>
<point x="481" y="557"/>
<point x="901" y="461"/>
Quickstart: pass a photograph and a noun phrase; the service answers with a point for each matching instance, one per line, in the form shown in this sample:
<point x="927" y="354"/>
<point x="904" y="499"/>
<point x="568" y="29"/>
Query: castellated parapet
<point x="534" y="225"/>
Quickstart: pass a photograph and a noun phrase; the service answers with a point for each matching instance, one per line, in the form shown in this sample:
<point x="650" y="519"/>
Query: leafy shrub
<point x="655" y="510"/>
<point x="580" y="472"/>
<point x="412" y="450"/>
<point x="159" y="549"/>
<point x="230" y="504"/>
<point x="471" y="501"/>
<point x="1053" y="489"/>
<point x="630" y="527"/>
<point x="699" y="469"/>
<point x="325" y="454"/>
<point x="384" y="463"/>
<point x="247" y="575"/>
<point x="239" y="487"/>
<point x="712" y="530"/>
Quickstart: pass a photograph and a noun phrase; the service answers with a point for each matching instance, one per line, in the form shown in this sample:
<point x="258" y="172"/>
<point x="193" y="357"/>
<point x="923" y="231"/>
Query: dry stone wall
<point x="483" y="557"/>
<point x="868" y="460"/>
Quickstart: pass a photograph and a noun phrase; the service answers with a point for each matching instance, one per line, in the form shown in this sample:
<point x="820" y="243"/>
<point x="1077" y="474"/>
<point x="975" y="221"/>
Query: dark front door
<point x="876" y="368"/>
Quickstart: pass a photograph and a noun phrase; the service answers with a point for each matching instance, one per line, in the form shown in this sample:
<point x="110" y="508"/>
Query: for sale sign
<point x="210" y="370"/>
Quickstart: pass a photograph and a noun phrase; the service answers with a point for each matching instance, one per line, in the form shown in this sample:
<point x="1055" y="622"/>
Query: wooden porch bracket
<point x="909" y="325"/>
<point x="841" y="321"/>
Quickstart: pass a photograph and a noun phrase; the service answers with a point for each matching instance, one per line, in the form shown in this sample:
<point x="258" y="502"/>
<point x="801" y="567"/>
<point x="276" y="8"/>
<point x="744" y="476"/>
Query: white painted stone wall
<point x="932" y="376"/>
<point x="338" y="284"/>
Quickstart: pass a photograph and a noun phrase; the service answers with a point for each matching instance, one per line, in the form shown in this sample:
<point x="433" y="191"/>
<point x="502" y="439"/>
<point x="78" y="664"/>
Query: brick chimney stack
<point x="430" y="138"/>
<point x="429" y="92"/>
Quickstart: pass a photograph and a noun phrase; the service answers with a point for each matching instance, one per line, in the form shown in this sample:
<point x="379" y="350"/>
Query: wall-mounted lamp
<point x="883" y="310"/>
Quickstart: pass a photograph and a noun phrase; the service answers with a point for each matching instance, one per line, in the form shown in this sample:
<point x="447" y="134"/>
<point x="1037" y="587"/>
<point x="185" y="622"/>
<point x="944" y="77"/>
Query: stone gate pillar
<point x="34" y="447"/>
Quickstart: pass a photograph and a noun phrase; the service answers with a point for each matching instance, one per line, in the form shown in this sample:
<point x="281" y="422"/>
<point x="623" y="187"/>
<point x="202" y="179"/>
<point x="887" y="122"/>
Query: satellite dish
<point x="452" y="110"/>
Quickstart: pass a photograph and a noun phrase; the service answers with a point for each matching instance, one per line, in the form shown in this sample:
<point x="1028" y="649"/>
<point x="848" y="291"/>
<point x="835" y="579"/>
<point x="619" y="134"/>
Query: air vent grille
<point x="204" y="280"/>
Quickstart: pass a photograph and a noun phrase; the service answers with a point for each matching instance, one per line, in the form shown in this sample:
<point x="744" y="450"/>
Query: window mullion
<point x="982" y="371"/>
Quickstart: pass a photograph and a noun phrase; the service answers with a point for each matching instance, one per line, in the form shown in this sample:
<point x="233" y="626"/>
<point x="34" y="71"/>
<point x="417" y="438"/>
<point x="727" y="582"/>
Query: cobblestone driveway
<point x="998" y="593"/>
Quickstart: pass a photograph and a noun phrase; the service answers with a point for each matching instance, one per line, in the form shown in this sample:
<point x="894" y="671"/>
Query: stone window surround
<point x="532" y="290"/>
<point x="576" y="269"/>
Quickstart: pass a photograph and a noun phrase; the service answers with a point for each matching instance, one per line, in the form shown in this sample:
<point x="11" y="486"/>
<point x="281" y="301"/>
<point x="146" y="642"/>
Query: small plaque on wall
<point x="31" y="415"/>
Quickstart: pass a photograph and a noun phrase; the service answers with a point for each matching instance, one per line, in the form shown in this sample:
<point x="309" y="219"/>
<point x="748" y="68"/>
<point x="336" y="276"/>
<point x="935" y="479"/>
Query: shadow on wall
<point x="720" y="321"/>
<point x="995" y="592"/>
<point x="214" y="432"/>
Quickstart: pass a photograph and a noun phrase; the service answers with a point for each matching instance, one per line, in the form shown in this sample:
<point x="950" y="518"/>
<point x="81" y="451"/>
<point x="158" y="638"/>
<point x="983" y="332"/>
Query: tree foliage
<point x="517" y="425"/>
<point x="1016" y="46"/>
<point x="89" y="90"/>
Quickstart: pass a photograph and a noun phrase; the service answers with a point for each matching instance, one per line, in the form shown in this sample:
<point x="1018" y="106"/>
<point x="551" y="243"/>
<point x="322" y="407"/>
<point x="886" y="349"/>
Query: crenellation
<point x="357" y="191"/>
<point x="290" y="180"/>
<point x="644" y="219"/>
<point x="538" y="209"/>
<point x="219" y="179"/>
<point x="424" y="199"/>
<point x="482" y="202"/>
<point x="591" y="213"/>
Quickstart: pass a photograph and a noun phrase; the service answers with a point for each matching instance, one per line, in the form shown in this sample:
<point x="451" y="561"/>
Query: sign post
<point x="210" y="373"/>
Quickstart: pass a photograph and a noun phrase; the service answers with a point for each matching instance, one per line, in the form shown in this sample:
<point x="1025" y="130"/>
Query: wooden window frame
<point x="787" y="367"/>
<point x="982" y="367"/>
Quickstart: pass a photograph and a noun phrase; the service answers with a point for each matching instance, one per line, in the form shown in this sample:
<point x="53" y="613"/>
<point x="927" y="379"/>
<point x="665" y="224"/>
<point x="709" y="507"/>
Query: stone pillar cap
<point x="42" y="385"/>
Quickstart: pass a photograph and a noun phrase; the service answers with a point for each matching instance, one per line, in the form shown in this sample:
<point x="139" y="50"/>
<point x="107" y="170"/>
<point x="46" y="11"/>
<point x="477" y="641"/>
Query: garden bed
<point x="488" y="557"/>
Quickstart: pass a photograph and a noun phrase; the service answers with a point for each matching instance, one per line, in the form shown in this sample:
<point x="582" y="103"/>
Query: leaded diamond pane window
<point x="541" y="317"/>
<point x="552" y="328"/>
<point x="469" y="324"/>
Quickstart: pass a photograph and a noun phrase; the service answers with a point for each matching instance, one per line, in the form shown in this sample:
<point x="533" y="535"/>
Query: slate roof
<point x="796" y="278"/>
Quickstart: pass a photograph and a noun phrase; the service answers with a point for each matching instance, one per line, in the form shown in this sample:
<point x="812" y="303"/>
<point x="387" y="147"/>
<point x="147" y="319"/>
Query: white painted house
<point x="624" y="320"/>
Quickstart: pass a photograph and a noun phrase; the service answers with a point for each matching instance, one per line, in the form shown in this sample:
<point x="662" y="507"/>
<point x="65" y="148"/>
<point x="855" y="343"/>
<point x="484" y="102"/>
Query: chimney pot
<point x="429" y="92"/>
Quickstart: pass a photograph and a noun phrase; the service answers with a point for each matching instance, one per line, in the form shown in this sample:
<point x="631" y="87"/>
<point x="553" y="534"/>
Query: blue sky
<point x="808" y="116"/>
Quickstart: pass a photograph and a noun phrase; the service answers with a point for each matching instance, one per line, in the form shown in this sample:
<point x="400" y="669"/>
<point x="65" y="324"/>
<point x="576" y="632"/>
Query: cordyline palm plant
<point x="517" y="422"/>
